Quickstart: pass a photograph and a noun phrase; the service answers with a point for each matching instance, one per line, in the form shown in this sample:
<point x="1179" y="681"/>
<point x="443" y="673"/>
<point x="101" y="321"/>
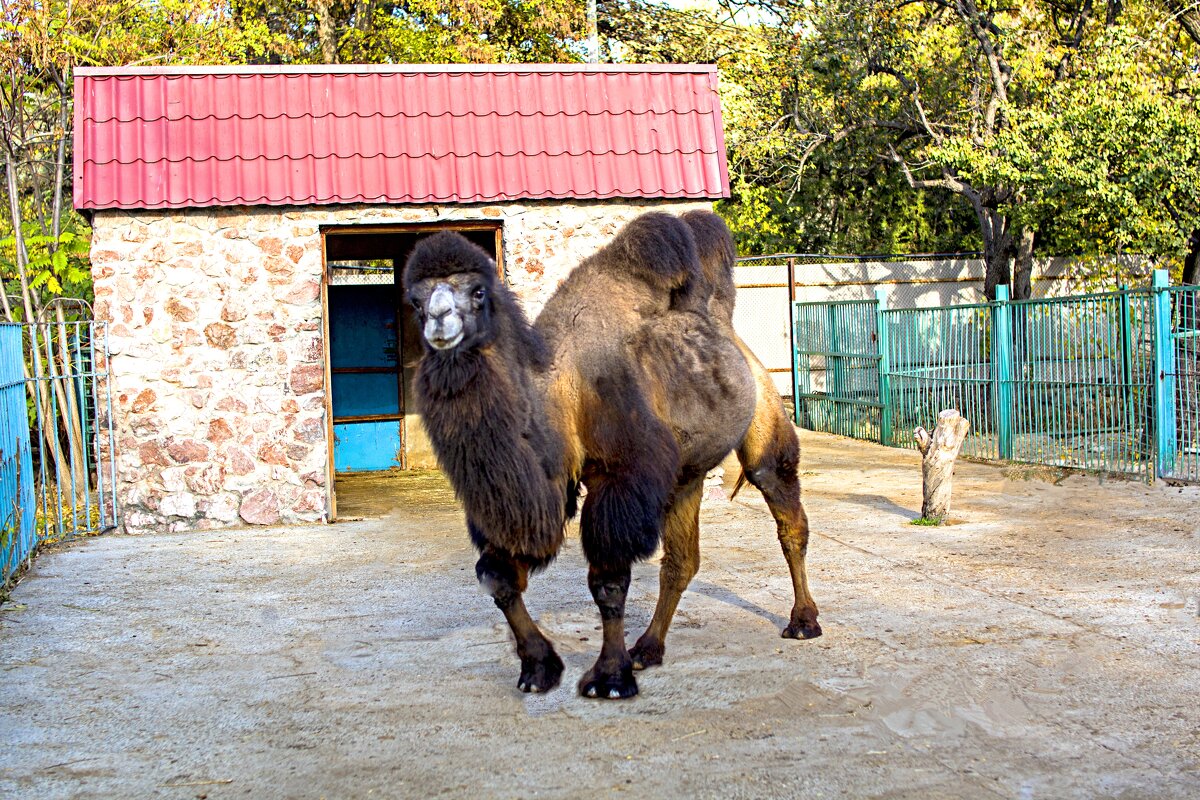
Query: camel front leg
<point x="505" y="578"/>
<point x="611" y="677"/>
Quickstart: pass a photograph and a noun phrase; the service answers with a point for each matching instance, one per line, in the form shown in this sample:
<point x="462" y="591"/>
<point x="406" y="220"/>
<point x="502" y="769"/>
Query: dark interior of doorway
<point x="373" y="337"/>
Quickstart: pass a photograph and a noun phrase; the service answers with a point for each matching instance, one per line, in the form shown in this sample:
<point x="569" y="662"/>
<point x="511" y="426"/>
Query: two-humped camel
<point x="632" y="383"/>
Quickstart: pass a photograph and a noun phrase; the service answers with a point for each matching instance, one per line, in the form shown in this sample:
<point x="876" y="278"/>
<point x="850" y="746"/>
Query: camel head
<point x="453" y="287"/>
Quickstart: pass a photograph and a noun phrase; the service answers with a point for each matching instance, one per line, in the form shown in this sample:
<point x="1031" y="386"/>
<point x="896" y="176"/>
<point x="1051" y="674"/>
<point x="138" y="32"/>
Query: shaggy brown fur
<point x="643" y="391"/>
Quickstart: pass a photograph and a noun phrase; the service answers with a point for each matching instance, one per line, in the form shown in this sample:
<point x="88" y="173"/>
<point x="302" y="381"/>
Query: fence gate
<point x="1181" y="384"/>
<point x="836" y="368"/>
<point x="57" y="472"/>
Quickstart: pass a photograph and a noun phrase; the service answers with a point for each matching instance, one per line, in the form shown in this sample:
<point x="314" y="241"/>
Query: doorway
<point x="373" y="346"/>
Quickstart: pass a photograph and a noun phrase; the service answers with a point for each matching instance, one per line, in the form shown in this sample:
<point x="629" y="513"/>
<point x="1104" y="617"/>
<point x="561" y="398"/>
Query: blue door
<point x="368" y="421"/>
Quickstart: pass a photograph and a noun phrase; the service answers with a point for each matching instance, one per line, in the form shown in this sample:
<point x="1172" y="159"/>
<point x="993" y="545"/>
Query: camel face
<point x="453" y="310"/>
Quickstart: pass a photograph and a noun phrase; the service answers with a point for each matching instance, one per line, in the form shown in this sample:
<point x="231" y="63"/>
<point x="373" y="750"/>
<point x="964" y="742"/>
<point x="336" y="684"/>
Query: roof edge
<point x="398" y="69"/>
<point x="91" y="207"/>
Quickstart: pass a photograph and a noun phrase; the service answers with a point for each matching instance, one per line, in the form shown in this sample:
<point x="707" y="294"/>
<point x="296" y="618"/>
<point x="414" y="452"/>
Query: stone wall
<point x="217" y="358"/>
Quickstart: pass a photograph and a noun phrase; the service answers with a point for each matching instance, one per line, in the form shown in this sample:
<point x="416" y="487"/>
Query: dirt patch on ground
<point x="1046" y="645"/>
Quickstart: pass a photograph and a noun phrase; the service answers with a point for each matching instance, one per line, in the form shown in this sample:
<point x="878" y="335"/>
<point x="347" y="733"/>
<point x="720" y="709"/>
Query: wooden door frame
<point x="351" y="229"/>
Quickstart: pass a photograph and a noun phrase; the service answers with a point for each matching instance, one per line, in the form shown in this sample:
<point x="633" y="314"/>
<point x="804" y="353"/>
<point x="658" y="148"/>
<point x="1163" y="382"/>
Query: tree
<point x="416" y="31"/>
<point x="787" y="196"/>
<point x="1110" y="160"/>
<point x="1000" y="107"/>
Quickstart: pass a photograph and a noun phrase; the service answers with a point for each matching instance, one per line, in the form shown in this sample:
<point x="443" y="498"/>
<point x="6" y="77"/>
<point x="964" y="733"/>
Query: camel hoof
<point x="604" y="686"/>
<point x="802" y="627"/>
<point x="646" y="654"/>
<point x="540" y="675"/>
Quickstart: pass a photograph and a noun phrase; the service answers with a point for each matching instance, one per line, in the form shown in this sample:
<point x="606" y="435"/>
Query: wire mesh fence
<point x="56" y="438"/>
<point x="941" y="358"/>
<point x="1107" y="382"/>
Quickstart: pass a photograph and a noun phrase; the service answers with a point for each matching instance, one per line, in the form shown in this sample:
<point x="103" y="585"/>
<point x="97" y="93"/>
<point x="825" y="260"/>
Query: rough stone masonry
<point x="217" y="359"/>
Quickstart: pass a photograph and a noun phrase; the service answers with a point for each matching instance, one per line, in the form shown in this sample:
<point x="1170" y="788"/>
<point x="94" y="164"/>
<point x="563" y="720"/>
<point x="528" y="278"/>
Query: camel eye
<point x="479" y="294"/>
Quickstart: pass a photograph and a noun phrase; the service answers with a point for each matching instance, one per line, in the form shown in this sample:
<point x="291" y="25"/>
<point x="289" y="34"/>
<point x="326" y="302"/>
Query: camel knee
<point x="499" y="578"/>
<point x="793" y="541"/>
<point x="609" y="589"/>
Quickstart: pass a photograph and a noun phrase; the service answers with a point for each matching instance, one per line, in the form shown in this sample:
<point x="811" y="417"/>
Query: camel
<point x="631" y="383"/>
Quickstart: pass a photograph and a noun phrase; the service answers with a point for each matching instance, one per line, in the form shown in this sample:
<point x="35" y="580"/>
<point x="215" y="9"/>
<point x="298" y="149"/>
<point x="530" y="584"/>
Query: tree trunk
<point x="1022" y="285"/>
<point x="1191" y="263"/>
<point x="326" y="34"/>
<point x="938" y="453"/>
<point x="997" y="251"/>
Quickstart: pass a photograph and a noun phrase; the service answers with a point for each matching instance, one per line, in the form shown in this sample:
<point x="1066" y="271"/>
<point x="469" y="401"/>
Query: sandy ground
<point x="1045" y="645"/>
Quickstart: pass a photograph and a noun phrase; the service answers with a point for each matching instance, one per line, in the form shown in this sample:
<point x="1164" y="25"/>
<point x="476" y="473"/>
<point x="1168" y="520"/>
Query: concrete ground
<point x="1047" y="644"/>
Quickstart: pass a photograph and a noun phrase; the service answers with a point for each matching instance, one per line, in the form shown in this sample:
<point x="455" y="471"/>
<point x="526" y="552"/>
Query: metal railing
<point x="1106" y="382"/>
<point x="57" y="473"/>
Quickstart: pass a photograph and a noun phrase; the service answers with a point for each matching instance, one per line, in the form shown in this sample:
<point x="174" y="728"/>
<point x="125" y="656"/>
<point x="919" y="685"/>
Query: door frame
<point x="351" y="229"/>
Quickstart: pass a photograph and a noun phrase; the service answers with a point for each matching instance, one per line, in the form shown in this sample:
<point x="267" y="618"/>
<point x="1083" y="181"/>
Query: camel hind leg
<point x="770" y="456"/>
<point x="680" y="563"/>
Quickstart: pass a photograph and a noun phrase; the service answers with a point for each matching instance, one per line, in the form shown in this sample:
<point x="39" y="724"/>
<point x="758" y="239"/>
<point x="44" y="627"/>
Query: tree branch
<point x="914" y="91"/>
<point x="983" y="29"/>
<point x="1188" y="18"/>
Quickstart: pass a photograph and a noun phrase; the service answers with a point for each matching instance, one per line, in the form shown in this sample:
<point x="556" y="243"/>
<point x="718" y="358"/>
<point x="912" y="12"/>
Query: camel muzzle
<point x="443" y="325"/>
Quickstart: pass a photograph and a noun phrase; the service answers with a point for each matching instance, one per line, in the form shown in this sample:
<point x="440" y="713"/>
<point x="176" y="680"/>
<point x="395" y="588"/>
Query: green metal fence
<point x="1107" y="382"/>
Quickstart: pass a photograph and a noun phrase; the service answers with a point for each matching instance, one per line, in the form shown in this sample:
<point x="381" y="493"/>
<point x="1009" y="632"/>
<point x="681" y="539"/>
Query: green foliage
<point x="1110" y="161"/>
<point x="415" y="31"/>
<point x="900" y="125"/>
<point x="41" y="41"/>
<point x="797" y="185"/>
<point x="852" y="126"/>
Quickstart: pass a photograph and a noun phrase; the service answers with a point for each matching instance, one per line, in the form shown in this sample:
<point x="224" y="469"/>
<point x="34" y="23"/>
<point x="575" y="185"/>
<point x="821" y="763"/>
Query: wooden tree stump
<point x="939" y="450"/>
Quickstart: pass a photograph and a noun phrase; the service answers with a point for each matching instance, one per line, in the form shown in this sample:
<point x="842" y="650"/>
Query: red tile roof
<point x="188" y="137"/>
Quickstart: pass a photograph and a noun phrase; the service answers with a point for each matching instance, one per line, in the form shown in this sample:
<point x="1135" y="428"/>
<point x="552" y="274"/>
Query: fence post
<point x="794" y="317"/>
<point x="885" y="384"/>
<point x="1164" y="374"/>
<point x="1002" y="360"/>
<point x="791" y="278"/>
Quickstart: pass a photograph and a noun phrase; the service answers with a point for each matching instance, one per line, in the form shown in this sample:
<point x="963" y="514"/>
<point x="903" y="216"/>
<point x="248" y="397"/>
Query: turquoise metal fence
<point x="1107" y="382"/>
<point x="57" y="473"/>
<point x="941" y="358"/>
<point x="18" y="513"/>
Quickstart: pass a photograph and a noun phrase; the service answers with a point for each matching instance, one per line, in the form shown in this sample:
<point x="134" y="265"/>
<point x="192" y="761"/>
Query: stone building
<point x="248" y="225"/>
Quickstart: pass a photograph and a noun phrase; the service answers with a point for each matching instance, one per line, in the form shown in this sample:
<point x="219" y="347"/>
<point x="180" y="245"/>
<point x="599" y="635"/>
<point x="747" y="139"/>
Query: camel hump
<point x="717" y="253"/>
<point x="659" y="249"/>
